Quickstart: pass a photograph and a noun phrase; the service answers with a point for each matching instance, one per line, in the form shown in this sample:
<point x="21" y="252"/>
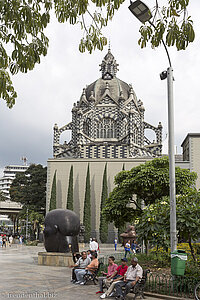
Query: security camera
<point x="163" y="75"/>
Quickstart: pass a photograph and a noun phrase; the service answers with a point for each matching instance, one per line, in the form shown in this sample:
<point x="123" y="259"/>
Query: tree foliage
<point x="23" y="22"/>
<point x="35" y="218"/>
<point x="149" y="182"/>
<point x="29" y="188"/>
<point x="52" y="204"/>
<point x="154" y="222"/>
<point x="2" y="196"/>
<point x="170" y="23"/>
<point x="103" y="229"/>
<point x="70" y="191"/>
<point x="22" y="40"/>
<point x="87" y="208"/>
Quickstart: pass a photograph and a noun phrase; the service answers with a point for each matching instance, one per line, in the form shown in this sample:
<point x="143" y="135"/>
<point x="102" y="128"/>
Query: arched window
<point x="124" y="126"/>
<point x="135" y="135"/>
<point x="86" y="127"/>
<point x="106" y="129"/>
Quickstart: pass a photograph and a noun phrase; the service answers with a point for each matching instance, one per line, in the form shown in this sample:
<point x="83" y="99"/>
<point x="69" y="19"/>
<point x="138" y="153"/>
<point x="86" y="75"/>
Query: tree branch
<point x="93" y="19"/>
<point x="84" y="24"/>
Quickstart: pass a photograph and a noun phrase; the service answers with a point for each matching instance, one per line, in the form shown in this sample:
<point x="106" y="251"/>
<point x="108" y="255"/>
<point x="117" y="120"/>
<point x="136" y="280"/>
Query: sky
<point x="46" y="94"/>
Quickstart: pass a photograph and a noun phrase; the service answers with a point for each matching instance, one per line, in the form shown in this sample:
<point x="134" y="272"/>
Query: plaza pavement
<point x="22" y="278"/>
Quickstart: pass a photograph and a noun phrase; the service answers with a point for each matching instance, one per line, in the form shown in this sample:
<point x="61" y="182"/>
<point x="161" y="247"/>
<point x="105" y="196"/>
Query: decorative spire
<point x="92" y="98"/>
<point x="109" y="45"/>
<point x="83" y="96"/>
<point x="109" y="66"/>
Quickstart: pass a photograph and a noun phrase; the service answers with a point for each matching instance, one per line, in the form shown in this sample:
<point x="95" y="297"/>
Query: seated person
<point x="116" y="277"/>
<point x="89" y="254"/>
<point x="133" y="274"/>
<point x="112" y="267"/>
<point x="75" y="256"/>
<point x="89" y="269"/>
<point x="81" y="263"/>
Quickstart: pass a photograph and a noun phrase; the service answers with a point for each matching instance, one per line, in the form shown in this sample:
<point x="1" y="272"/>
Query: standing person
<point x="133" y="274"/>
<point x="116" y="277"/>
<point x="20" y="240"/>
<point x="127" y="248"/>
<point x="81" y="263"/>
<point x="4" y="241"/>
<point x="112" y="267"/>
<point x="1" y="242"/>
<point x="10" y="240"/>
<point x="115" y="242"/>
<point x="94" y="246"/>
<point x="89" y="269"/>
<point x="133" y="246"/>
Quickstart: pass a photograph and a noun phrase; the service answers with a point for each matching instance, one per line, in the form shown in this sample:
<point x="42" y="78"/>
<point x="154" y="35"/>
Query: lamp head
<point x="163" y="75"/>
<point x="140" y="11"/>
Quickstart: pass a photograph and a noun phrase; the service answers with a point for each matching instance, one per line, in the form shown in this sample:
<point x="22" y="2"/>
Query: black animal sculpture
<point x="61" y="228"/>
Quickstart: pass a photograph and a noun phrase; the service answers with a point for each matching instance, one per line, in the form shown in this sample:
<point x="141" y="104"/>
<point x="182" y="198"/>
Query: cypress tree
<point x="70" y="191"/>
<point x="87" y="208"/>
<point x="52" y="204"/>
<point x="123" y="167"/>
<point x="103" y="229"/>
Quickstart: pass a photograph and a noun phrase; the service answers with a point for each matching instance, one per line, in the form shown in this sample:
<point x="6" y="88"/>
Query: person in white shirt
<point x="94" y="245"/>
<point x="10" y="240"/>
<point x="81" y="263"/>
<point x="132" y="275"/>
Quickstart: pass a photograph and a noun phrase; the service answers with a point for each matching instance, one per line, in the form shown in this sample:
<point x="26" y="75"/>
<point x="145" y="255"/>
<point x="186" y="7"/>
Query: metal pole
<point x="143" y="243"/>
<point x="27" y="223"/>
<point x="173" y="237"/>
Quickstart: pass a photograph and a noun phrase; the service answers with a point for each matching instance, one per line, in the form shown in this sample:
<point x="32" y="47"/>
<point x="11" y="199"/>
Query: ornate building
<point x="108" y="121"/>
<point x="107" y="129"/>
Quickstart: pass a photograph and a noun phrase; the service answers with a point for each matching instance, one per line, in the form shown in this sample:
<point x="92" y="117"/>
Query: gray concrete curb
<point x="158" y="296"/>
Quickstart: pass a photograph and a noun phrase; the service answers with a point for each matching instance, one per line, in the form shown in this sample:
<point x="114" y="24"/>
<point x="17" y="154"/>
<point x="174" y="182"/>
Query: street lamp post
<point x="143" y="14"/>
<point x="27" y="223"/>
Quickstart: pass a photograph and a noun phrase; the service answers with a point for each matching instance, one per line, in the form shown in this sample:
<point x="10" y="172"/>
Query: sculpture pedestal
<point x="55" y="259"/>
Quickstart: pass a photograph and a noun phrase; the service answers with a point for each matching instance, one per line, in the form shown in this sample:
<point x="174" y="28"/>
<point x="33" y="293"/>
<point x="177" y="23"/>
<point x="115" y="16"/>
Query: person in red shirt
<point x="116" y="277"/>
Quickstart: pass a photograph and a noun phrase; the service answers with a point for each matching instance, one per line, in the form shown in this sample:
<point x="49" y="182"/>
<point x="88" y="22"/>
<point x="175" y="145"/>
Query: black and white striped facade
<point x="108" y="121"/>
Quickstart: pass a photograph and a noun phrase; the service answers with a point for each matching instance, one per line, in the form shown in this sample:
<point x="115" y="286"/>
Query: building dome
<point x="115" y="87"/>
<point x="109" y="83"/>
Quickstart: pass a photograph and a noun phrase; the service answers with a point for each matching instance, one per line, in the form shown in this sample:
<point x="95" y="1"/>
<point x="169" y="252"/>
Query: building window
<point x="86" y="127"/>
<point x="135" y="135"/>
<point x="106" y="129"/>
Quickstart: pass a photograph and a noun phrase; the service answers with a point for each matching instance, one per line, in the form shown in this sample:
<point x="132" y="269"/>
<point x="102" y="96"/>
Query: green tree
<point x="70" y="191"/>
<point x="103" y="229"/>
<point x="170" y="23"/>
<point x="35" y="219"/>
<point x="2" y="196"/>
<point x="149" y="181"/>
<point x="87" y="208"/>
<point x="23" y="22"/>
<point x="29" y="188"/>
<point x="52" y="204"/>
<point x="154" y="222"/>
